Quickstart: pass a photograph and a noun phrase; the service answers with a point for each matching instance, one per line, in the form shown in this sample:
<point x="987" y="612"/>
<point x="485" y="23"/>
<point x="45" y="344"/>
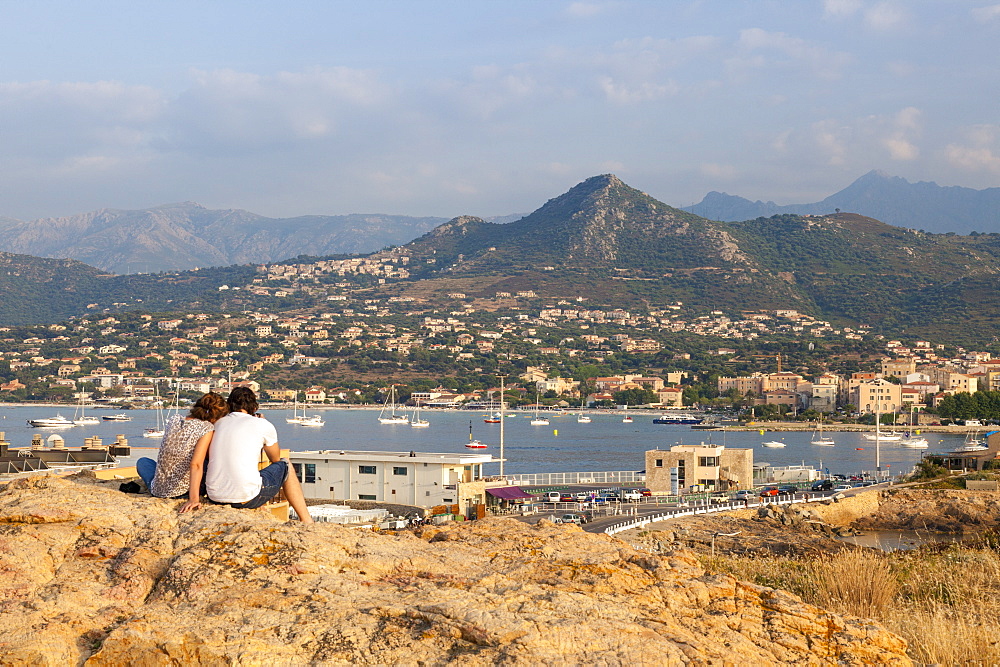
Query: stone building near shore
<point x="711" y="467"/>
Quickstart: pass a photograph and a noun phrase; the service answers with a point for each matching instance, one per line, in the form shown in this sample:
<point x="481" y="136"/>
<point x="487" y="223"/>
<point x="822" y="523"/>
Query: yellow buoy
<point x="555" y="431"/>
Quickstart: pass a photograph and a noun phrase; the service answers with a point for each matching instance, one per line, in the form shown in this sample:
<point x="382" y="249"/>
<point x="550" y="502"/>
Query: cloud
<point x="987" y="13"/>
<point x="885" y="16"/>
<point x="759" y="49"/>
<point x="624" y="93"/>
<point x="840" y="8"/>
<point x="980" y="153"/>
<point x="716" y="171"/>
<point x="586" y="10"/>
<point x="243" y="110"/>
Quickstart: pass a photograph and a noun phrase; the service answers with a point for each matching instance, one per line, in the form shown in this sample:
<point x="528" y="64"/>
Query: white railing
<point x="553" y="478"/>
<point x="707" y="507"/>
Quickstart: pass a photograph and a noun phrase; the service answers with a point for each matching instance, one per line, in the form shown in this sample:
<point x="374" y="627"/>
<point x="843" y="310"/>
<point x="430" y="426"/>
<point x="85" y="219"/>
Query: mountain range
<point x="184" y="236"/>
<point x="891" y="199"/>
<point x="605" y="244"/>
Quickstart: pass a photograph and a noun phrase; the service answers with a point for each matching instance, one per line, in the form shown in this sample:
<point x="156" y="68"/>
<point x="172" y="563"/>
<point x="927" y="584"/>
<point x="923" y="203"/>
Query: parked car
<point x="788" y="490"/>
<point x="567" y="497"/>
<point x="606" y="499"/>
<point x="842" y="487"/>
<point x="630" y="494"/>
<point x="769" y="491"/>
<point x="582" y="497"/>
<point x="645" y="492"/>
<point x="744" y="494"/>
<point x="822" y="485"/>
<point x="553" y="497"/>
<point x="578" y="519"/>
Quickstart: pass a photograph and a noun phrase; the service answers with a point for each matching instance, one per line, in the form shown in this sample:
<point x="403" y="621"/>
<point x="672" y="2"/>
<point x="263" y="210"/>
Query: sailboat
<point x="416" y="421"/>
<point x="538" y="421"/>
<point x="627" y="419"/>
<point x="315" y="420"/>
<point x="296" y="418"/>
<point x="913" y="439"/>
<point x="818" y="438"/>
<point x="474" y="444"/>
<point x="158" y="430"/>
<point x="390" y="404"/>
<point x="583" y="419"/>
<point x="972" y="443"/>
<point x="878" y="435"/>
<point x="81" y="419"/>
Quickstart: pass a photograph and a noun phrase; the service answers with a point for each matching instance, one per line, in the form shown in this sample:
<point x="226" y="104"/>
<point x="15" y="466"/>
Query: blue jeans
<point x="271" y="479"/>
<point x="146" y="467"/>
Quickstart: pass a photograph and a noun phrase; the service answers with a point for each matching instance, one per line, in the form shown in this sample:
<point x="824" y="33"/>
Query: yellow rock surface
<point x="95" y="576"/>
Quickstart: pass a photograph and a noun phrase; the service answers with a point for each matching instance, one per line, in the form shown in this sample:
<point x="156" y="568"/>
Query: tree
<point x="637" y="396"/>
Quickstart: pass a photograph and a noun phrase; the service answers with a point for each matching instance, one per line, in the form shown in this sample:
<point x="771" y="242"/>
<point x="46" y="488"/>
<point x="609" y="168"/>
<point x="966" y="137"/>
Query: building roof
<point x="385" y="457"/>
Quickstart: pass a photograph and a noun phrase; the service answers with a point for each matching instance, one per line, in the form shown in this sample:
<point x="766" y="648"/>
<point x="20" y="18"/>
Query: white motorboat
<point x="474" y="444"/>
<point x="583" y="419"/>
<point x="120" y="417"/>
<point x="914" y="443"/>
<point x="390" y="405"/>
<point x="884" y="437"/>
<point x="51" y="422"/>
<point x="773" y="444"/>
<point x="315" y="420"/>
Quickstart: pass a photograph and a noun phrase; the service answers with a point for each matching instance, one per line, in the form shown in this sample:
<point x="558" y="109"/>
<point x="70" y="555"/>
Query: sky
<point x="485" y="107"/>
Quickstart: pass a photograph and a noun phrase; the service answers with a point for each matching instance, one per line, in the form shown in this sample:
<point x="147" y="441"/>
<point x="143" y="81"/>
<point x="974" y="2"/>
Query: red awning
<point x="508" y="493"/>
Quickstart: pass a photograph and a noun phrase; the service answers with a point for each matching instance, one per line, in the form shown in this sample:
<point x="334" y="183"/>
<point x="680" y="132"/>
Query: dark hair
<point x="242" y="398"/>
<point x="210" y="407"/>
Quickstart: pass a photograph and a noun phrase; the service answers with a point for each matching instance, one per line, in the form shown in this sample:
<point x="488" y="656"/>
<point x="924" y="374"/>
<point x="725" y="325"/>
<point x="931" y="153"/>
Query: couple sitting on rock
<point x="230" y="435"/>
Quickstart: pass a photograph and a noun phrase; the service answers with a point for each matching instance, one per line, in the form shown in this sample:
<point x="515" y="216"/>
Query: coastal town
<point x="350" y="344"/>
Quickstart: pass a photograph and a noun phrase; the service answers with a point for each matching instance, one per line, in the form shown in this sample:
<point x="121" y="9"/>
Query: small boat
<point x="315" y="420"/>
<point x="914" y="443"/>
<point x="392" y="417"/>
<point x="538" y="421"/>
<point x="493" y="418"/>
<point x="50" y="422"/>
<point x="160" y="429"/>
<point x="773" y="444"/>
<point x="583" y="419"/>
<point x="884" y="437"/>
<point x="416" y="421"/>
<point x="474" y="444"/>
<point x="818" y="438"/>
<point x="627" y="419"/>
<point x="296" y="418"/>
<point x="81" y="419"/>
<point x="972" y="444"/>
<point x="859" y="449"/>
<point x="120" y="417"/>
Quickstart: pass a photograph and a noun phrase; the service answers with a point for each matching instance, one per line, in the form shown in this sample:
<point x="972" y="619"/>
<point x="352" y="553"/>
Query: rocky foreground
<point x="95" y="576"/>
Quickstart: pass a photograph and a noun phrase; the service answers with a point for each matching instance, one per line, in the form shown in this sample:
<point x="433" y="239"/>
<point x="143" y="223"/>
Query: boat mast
<point x="501" y="376"/>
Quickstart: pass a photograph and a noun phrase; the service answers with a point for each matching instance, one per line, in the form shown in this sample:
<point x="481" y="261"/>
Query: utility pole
<point x="502" y="419"/>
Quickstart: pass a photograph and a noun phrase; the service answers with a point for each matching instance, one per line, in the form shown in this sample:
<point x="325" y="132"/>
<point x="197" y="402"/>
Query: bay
<point x="564" y="446"/>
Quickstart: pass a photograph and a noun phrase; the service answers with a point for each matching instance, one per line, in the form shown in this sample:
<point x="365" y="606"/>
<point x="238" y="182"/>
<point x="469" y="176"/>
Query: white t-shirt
<point x="232" y="475"/>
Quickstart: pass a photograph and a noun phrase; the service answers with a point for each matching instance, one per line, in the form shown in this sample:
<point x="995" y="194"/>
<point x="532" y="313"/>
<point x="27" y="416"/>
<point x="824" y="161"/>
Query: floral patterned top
<point x="173" y="467"/>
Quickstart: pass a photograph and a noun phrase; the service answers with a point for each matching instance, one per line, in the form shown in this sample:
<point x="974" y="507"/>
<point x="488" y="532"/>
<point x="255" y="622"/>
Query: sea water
<point x="606" y="443"/>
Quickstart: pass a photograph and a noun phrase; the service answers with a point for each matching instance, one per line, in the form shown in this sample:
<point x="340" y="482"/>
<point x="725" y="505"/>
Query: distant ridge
<point x="890" y="199"/>
<point x="186" y="235"/>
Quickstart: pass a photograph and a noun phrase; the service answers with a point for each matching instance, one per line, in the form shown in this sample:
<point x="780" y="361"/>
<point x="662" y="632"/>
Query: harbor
<point x="606" y="443"/>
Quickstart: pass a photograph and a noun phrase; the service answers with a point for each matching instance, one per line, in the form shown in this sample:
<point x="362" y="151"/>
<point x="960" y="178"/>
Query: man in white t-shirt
<point x="232" y="476"/>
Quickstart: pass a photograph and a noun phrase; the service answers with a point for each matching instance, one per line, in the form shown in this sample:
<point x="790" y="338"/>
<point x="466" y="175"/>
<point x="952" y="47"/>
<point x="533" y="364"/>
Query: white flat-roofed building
<point x="407" y="478"/>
